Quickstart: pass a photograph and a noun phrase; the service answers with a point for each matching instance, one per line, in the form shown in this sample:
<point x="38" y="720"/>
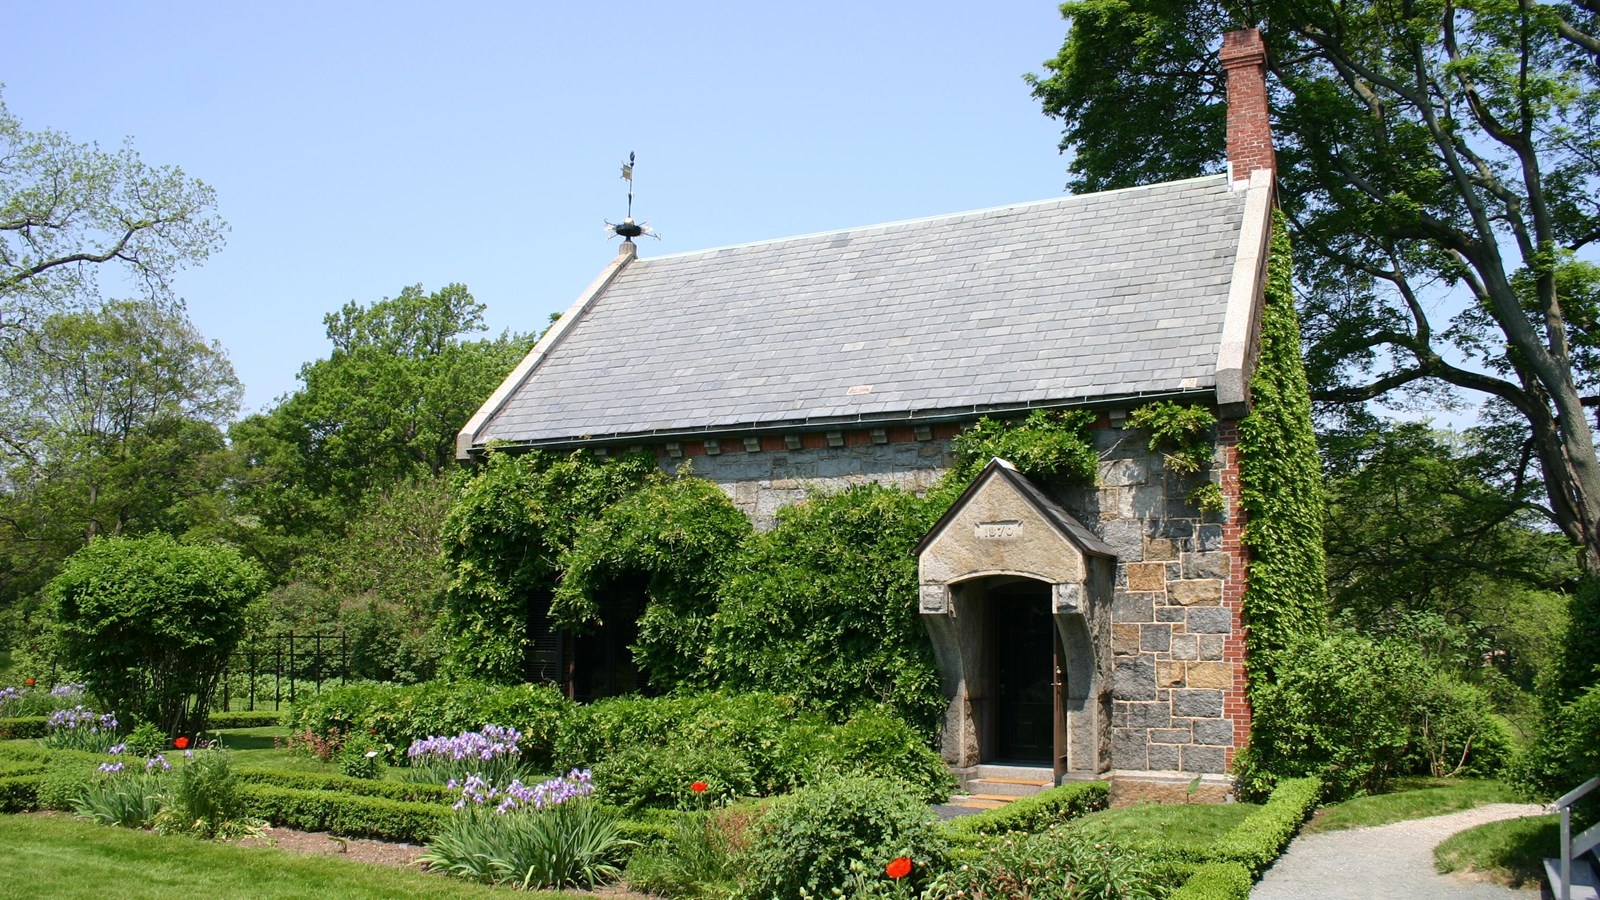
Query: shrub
<point x="1567" y="756"/>
<point x="816" y="608"/>
<point x="1261" y="837"/>
<point x="343" y="813"/>
<point x="647" y="751"/>
<point x="1357" y="712"/>
<point x="661" y="777"/>
<point x="23" y="727"/>
<point x="344" y="784"/>
<point x="19" y="793"/>
<point x="808" y="839"/>
<point x="1216" y="881"/>
<point x="1059" y="864"/>
<point x="145" y="740"/>
<point x="395" y="715"/>
<point x="360" y="758"/>
<point x="570" y="844"/>
<point x="701" y="855"/>
<point x="876" y="743"/>
<point x="1034" y="814"/>
<point x="151" y="622"/>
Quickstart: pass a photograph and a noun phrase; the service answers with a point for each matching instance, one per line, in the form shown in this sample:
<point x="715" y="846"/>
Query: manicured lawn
<point x="1412" y="798"/>
<point x="67" y="858"/>
<point x="1165" y="829"/>
<point x="1512" y="851"/>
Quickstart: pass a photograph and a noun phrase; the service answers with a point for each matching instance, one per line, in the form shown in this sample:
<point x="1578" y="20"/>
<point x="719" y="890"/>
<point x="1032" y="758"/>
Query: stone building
<point x="1090" y="630"/>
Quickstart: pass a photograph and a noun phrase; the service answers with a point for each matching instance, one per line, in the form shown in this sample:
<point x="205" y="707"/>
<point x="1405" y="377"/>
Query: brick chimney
<point x="1244" y="57"/>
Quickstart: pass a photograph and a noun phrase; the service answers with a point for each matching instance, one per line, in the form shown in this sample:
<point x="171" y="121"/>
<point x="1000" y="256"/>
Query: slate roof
<point x="1122" y="293"/>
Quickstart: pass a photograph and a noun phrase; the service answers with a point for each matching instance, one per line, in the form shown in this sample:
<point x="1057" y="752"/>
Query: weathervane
<point x="629" y="229"/>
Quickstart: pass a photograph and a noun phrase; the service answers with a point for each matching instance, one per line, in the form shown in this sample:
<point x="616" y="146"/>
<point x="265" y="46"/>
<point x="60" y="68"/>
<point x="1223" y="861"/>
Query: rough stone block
<point x="1205" y="565"/>
<point x="1150" y="576"/>
<point x="1215" y="675"/>
<point x="1155" y="638"/>
<point x="1208" y="538"/>
<point x="1217" y="732"/>
<point x="1160" y="549"/>
<point x="1209" y="620"/>
<point x="1129" y="748"/>
<point x="1204" y="759"/>
<point x="1169" y="674"/>
<point x="1170" y="614"/>
<point x="1135" y="679"/>
<point x="1124" y="472"/>
<point x="1199" y="592"/>
<point x="1124" y="640"/>
<point x="1126" y="538"/>
<point x="1149" y="715"/>
<point x="1169" y="735"/>
<point x="1185" y="646"/>
<point x="1177" y="529"/>
<point x="1195" y="704"/>
<point x="1126" y="607"/>
<point x="1211" y="646"/>
<point x="1162" y="757"/>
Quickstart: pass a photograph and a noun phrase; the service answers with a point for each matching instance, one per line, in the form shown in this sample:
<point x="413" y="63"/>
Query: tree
<point x="151" y="622"/>
<point x="384" y="406"/>
<point x="1432" y="156"/>
<point x="69" y="211"/>
<point x="113" y="422"/>
<point x="1421" y="545"/>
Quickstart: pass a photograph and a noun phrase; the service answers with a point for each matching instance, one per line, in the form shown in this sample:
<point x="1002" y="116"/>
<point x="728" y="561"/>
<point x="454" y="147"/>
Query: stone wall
<point x="763" y="475"/>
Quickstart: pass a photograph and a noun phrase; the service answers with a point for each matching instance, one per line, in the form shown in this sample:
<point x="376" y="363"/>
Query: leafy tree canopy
<point x="384" y="406"/>
<point x="1433" y="157"/>
<point x="112" y="419"/>
<point x="70" y="211"/>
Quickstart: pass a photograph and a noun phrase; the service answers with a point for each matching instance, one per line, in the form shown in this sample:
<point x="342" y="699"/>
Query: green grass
<point x="1412" y="798"/>
<point x="1164" y="829"/>
<point x="1512" y="851"/>
<point x="65" y="858"/>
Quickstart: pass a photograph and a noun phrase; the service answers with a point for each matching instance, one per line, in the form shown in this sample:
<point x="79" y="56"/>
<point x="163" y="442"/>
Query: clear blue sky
<point x="360" y="147"/>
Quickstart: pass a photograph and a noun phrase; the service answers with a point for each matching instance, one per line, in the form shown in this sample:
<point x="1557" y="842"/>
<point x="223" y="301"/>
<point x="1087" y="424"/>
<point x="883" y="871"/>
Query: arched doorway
<point x="1016" y="596"/>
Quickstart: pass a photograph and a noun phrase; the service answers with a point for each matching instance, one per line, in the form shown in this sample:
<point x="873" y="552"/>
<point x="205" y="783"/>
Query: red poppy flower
<point x="898" y="868"/>
<point x="181" y="742"/>
<point x="699" y="787"/>
<point x="29" y="682"/>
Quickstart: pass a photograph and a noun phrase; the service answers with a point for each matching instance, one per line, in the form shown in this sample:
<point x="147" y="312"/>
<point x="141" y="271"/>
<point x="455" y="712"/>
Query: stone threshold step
<point x="976" y="804"/>
<point x="1027" y="782"/>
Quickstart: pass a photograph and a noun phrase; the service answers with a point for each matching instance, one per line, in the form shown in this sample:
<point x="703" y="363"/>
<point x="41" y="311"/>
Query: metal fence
<point x="276" y="668"/>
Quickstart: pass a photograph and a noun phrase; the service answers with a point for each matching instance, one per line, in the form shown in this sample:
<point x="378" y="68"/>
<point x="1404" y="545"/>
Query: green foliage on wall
<point x="503" y="543"/>
<point x="822" y="607"/>
<point x="1281" y="482"/>
<point x="1183" y="436"/>
<point x="1047" y="444"/>
<point x="675" y="536"/>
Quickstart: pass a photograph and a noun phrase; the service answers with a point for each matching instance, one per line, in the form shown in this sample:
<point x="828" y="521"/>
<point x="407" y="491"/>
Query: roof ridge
<point x="1065" y="199"/>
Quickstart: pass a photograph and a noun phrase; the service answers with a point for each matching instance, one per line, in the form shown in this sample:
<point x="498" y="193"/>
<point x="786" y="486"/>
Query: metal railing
<point x="1571" y="847"/>
<point x="275" y="667"/>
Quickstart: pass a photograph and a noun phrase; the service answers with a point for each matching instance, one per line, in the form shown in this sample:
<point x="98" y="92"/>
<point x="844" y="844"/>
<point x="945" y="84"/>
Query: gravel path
<point x="1388" y="861"/>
